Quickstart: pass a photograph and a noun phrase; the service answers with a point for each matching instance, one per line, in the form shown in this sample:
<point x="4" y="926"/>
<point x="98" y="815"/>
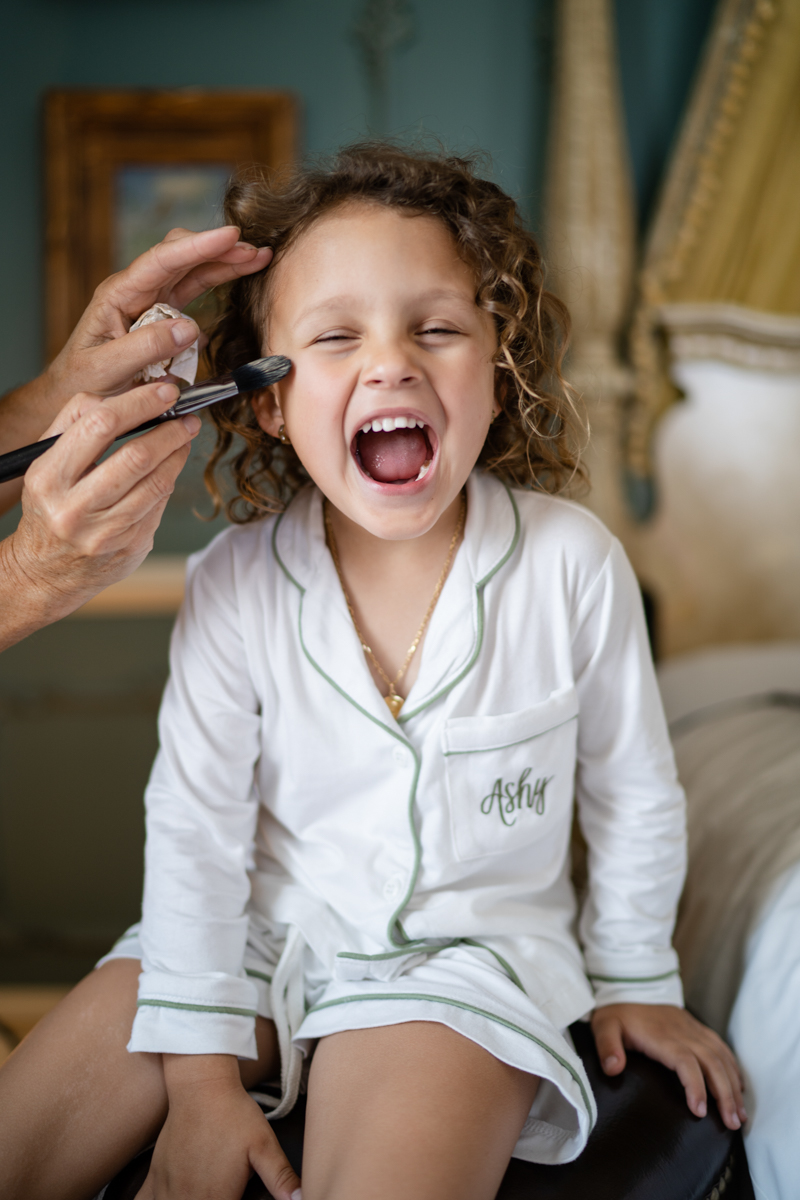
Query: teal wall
<point x="476" y="74"/>
<point x="470" y="75"/>
<point x="78" y="705"/>
<point x="659" y="43"/>
<point x="78" y="701"/>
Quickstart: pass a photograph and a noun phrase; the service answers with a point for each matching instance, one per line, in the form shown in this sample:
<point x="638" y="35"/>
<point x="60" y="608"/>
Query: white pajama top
<point x="284" y="792"/>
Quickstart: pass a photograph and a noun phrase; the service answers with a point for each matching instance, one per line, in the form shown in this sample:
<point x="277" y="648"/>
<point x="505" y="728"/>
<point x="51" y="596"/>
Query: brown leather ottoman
<point x="646" y="1146"/>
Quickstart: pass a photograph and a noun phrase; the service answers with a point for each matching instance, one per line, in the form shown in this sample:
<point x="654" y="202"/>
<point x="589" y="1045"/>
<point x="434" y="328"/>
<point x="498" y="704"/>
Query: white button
<point x="401" y="756"/>
<point x="393" y="887"/>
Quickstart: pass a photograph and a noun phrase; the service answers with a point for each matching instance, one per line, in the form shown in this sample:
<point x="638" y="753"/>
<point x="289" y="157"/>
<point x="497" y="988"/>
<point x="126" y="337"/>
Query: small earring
<point x="283" y="436"/>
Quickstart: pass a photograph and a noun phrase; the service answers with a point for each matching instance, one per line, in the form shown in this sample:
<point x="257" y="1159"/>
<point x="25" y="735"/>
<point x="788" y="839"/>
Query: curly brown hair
<point x="537" y="438"/>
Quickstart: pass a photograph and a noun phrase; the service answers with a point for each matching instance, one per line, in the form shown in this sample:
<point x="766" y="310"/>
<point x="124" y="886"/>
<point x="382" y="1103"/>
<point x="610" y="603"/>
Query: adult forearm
<point x="24" y="606"/>
<point x="43" y="580"/>
<point x="25" y="413"/>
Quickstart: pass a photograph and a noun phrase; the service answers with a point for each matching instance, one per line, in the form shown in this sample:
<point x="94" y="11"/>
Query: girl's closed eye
<point x="440" y="330"/>
<point x="335" y="336"/>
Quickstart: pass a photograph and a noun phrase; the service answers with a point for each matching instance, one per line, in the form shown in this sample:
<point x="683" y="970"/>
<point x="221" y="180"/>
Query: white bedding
<point x="764" y="1026"/>
<point x="764" y="1030"/>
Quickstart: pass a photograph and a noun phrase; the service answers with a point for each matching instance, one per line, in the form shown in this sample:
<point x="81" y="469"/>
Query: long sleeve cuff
<point x="197" y="1014"/>
<point x="650" y="979"/>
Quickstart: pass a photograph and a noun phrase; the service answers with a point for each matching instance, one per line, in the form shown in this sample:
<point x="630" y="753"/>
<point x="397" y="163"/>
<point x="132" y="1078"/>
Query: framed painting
<point x="124" y="167"/>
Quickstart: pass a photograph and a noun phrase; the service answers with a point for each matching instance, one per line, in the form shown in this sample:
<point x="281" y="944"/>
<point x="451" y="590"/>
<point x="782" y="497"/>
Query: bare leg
<point x="410" y="1110"/>
<point x="75" y="1106"/>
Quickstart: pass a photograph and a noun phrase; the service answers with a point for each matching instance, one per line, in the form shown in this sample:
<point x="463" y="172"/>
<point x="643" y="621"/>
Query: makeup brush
<point x="251" y="377"/>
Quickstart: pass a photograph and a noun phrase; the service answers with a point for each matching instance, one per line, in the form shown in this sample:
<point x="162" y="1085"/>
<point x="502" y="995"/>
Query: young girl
<point x="382" y="703"/>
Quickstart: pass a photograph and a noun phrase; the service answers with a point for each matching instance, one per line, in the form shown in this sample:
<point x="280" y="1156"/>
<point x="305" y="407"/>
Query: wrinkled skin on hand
<point x="86" y="526"/>
<point x="83" y="526"/>
<point x="101" y="356"/>
<point x="174" y="272"/>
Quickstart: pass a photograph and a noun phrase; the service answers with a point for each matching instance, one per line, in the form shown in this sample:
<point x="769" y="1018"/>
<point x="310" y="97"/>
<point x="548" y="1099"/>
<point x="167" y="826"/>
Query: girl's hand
<point x="214" y="1137"/>
<point x="673" y="1037"/>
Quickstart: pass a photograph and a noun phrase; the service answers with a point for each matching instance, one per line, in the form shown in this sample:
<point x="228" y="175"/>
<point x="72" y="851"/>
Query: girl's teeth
<point x="423" y="469"/>
<point x="389" y="424"/>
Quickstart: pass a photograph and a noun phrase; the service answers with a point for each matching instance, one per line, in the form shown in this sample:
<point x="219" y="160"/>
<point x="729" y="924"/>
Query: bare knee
<point x="100" y="1008"/>
<point x="419" y="1051"/>
<point x="72" y="1086"/>
<point x="376" y="1093"/>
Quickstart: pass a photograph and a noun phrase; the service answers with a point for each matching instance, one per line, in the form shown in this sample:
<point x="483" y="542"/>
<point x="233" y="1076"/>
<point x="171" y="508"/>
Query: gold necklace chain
<point x="393" y="700"/>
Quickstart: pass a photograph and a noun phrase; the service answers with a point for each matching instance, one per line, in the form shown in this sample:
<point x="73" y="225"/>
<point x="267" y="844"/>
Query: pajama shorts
<point x="462" y="986"/>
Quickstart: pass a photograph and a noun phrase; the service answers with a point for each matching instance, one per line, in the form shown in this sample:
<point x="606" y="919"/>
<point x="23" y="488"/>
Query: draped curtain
<point x="721" y="271"/>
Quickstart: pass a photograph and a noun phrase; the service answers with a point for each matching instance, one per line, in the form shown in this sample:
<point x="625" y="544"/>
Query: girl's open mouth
<point x="394" y="450"/>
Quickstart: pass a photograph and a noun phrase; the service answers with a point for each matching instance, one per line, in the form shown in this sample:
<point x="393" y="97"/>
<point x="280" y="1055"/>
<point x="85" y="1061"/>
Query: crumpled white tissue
<point x="184" y="364"/>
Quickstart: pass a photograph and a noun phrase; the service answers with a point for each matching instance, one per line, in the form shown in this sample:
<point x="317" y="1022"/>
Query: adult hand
<point x="102" y="357"/>
<point x="674" y="1037"/>
<point x="85" y="526"/>
<point x="99" y="357"/>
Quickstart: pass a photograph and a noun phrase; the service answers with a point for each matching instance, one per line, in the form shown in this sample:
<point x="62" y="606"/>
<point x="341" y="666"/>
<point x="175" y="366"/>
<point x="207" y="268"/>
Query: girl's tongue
<point x="394" y="457"/>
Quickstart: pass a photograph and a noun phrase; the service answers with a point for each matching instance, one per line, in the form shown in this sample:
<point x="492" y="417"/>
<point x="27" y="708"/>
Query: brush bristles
<point x="261" y="372"/>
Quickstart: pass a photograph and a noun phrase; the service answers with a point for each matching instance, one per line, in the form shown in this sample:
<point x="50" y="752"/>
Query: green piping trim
<point x="381" y="724"/>
<point x="633" y="978"/>
<point x="403" y="933"/>
<point x="479" y="586"/>
<point x="395" y="733"/>
<point x="278" y="558"/>
<point x="410" y="948"/>
<point x="258" y="975"/>
<point x="209" y="1008"/>
<point x="481" y="1012"/>
<point x="512" y="974"/>
<point x="394" y="920"/>
<point x="394" y="928"/>
<point x="507" y="745"/>
<point x="427" y="948"/>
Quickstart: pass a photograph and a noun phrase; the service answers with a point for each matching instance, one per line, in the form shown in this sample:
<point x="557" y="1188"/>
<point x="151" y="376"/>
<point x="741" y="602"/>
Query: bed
<point x="734" y="714"/>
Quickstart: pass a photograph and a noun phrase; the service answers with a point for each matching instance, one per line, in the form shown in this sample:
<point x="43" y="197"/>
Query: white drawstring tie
<point x="288" y="1011"/>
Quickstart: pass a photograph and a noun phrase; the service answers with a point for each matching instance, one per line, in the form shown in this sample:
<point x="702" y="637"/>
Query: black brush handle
<point x="16" y="462"/>
<point x="262" y="372"/>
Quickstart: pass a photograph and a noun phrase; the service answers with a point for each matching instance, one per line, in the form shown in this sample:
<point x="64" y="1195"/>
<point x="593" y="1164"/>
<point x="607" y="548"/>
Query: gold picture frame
<point x="116" y="159"/>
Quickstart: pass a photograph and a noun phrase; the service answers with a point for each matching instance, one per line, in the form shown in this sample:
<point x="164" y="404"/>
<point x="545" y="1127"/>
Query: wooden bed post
<point x="590" y="232"/>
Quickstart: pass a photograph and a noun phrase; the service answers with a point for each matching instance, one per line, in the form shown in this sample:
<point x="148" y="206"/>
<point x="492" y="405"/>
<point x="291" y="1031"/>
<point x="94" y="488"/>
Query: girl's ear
<point x="267" y="410"/>
<point x="502" y="390"/>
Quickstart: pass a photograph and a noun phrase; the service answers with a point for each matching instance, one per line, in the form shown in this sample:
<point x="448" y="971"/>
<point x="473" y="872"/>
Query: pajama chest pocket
<point x="510" y="778"/>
